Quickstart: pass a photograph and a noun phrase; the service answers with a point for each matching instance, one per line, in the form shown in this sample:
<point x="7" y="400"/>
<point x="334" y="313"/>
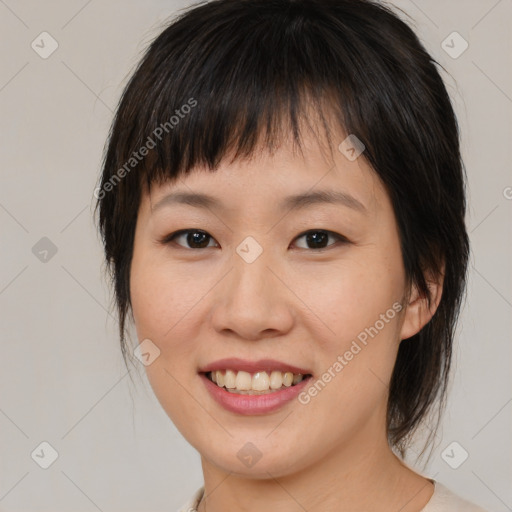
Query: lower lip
<point x="253" y="404"/>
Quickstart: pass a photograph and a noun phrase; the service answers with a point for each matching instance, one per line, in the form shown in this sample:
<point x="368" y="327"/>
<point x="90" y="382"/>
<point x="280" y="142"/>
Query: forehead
<point x="285" y="180"/>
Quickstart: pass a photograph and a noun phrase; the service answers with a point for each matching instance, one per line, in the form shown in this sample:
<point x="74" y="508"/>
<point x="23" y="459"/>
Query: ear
<point x="417" y="313"/>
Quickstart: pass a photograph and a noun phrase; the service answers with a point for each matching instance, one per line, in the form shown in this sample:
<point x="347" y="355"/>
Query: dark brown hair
<point x="248" y="68"/>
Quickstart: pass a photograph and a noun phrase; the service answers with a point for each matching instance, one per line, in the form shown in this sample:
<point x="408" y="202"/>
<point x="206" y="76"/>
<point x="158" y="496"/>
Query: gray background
<point x="62" y="379"/>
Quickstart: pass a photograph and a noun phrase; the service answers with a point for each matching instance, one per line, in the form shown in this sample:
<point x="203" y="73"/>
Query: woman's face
<point x="325" y="304"/>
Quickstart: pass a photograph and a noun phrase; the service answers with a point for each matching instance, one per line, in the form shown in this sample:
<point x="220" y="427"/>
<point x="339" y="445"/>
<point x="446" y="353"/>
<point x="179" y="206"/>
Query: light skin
<point x="294" y="303"/>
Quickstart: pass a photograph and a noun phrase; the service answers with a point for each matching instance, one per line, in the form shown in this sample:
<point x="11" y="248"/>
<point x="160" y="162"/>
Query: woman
<point x="282" y="209"/>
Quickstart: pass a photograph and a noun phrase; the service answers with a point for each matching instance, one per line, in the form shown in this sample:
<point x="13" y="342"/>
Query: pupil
<point x="197" y="238"/>
<point x="317" y="238"/>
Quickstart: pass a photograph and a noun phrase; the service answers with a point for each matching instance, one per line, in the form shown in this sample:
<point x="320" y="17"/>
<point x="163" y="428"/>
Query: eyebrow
<point x="293" y="203"/>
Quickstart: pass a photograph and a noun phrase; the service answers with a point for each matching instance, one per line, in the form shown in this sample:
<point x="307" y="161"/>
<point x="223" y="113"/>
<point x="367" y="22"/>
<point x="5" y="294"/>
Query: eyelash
<point x="168" y="239"/>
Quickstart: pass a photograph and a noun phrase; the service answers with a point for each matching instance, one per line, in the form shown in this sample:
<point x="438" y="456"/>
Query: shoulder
<point x="192" y="504"/>
<point x="444" y="500"/>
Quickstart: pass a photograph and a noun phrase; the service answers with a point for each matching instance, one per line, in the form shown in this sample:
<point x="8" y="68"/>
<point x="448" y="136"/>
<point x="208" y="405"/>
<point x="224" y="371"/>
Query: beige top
<point x="443" y="500"/>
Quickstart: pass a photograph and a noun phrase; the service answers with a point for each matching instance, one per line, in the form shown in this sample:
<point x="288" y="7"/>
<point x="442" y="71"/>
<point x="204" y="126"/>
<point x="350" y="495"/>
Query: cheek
<point x="360" y="325"/>
<point x="160" y="309"/>
<point x="167" y="301"/>
<point x="160" y="295"/>
<point x="347" y="297"/>
<point x="357" y="312"/>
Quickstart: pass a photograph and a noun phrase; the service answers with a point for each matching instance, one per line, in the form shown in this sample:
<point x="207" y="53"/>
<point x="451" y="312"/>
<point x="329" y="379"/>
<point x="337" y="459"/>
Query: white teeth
<point x="243" y="381"/>
<point x="259" y="382"/>
<point x="276" y="380"/>
<point x="288" y="379"/>
<point x="229" y="379"/>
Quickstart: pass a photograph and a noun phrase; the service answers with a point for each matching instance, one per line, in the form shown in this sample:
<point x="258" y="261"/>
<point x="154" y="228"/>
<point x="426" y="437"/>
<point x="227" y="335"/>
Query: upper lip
<point x="234" y="363"/>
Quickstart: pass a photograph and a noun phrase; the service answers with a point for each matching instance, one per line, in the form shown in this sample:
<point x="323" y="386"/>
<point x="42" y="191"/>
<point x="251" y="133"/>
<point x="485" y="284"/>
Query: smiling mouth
<point x="258" y="383"/>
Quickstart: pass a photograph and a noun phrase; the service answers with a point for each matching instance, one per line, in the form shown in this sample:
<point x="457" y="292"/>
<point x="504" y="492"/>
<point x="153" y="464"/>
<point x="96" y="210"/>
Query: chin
<point x="249" y="461"/>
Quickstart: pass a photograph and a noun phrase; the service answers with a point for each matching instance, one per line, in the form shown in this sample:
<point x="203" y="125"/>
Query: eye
<point x="199" y="239"/>
<point x="318" y="238"/>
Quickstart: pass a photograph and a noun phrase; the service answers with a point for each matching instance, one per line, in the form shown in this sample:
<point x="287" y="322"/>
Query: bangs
<point x="227" y="90"/>
<point x="238" y="128"/>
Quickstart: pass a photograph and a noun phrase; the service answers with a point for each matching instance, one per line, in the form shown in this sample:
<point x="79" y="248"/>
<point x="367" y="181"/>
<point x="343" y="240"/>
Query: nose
<point x="253" y="301"/>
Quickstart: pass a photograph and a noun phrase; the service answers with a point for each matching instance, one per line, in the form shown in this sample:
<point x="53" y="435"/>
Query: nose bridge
<point x="252" y="298"/>
<point x="251" y="279"/>
<point x="252" y="265"/>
